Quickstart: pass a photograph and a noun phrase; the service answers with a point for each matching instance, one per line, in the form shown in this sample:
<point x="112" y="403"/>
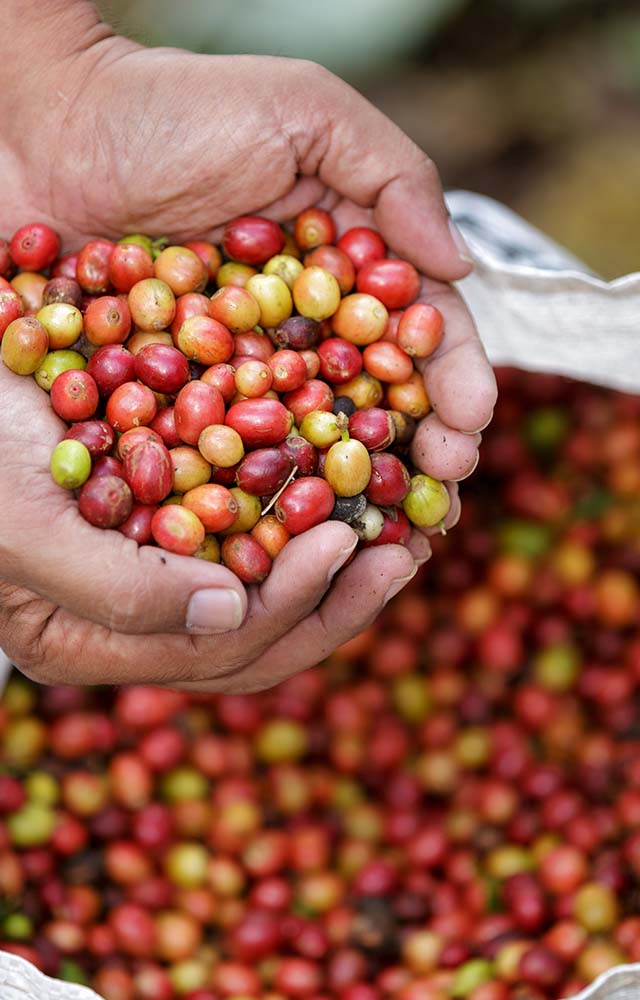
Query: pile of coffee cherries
<point x="449" y="807"/>
<point x="220" y="402"/>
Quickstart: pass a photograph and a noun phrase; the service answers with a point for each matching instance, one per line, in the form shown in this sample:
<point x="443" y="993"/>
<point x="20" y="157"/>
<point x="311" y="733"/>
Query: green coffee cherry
<point x="70" y="464"/>
<point x="427" y="502"/>
<point x="55" y="363"/>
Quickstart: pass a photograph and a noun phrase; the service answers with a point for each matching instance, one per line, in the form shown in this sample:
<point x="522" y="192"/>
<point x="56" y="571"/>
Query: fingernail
<point x="480" y="429"/>
<point x="340" y="560"/>
<point x="421" y="549"/>
<point x="463" y="250"/>
<point x="398" y="584"/>
<point x="458" y="479"/>
<point x="423" y="560"/>
<point x="214" y="610"/>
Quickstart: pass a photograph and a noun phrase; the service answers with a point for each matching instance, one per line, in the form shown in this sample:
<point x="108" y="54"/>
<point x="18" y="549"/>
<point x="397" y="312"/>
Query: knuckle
<point x="38" y="667"/>
<point x="430" y="169"/>
<point x="315" y="72"/>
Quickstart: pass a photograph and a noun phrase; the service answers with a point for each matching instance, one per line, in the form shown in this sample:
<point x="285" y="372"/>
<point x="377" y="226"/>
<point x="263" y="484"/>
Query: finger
<point x="104" y="577"/>
<point x="55" y="646"/>
<point x="419" y="546"/>
<point x="299" y="579"/>
<point x="458" y="377"/>
<point x="98" y="575"/>
<point x="444" y="453"/>
<point x="355" y="149"/>
<point x="356" y="599"/>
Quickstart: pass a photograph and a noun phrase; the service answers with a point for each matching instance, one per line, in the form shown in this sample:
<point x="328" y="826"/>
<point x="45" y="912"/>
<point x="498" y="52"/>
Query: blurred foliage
<point x="536" y="103"/>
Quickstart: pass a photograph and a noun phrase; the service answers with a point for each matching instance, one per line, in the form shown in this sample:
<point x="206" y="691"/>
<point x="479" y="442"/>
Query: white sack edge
<point x="19" y="980"/>
<point x="539" y="308"/>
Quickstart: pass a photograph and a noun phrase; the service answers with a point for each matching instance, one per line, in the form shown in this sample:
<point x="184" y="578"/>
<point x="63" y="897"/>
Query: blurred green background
<point x="535" y="102"/>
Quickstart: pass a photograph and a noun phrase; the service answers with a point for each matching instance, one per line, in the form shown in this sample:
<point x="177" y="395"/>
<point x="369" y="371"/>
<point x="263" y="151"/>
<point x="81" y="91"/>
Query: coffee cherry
<point x="264" y="471"/>
<point x="74" y="395"/>
<point x="130" y="405"/>
<point x="390" y="481"/>
<point x="214" y="506"/>
<point x="427" y="502"/>
<point x="148" y="470"/>
<point x="305" y="503"/>
<point x="396" y="283"/>
<point x="362" y="245"/>
<point x="369" y="523"/>
<point x="205" y="340"/>
<point x="347" y="468"/>
<point x="70" y="464"/>
<point x="107" y="320"/>
<point x="152" y="304"/>
<point x="259" y="422"/>
<point x="163" y="369"/>
<point x="128" y="264"/>
<point x="285" y="267"/>
<point x="316" y="293"/>
<point x="273" y="297"/>
<point x="208" y="254"/>
<point x="181" y="269"/>
<point x="92" y="266"/>
<point x="314" y="395"/>
<point x="387" y="362"/>
<point x="63" y="323"/>
<point x="350" y="510"/>
<point x="56" y="362"/>
<point x="373" y="427"/>
<point x="221" y="445"/>
<point x="177" y="529"/>
<point x="409" y="397"/>
<point x="137" y="526"/>
<point x="62" y="289"/>
<point x="105" y="501"/>
<point x="298" y="333"/>
<point x="336" y="262"/>
<point x="245" y="557"/>
<point x="197" y="406"/>
<point x="288" y="370"/>
<point x="302" y="454"/>
<point x="96" y="435"/>
<point x="360" y="318"/>
<point x="24" y="345"/>
<point x="320" y="428"/>
<point x="420" y="330"/>
<point x="110" y="367"/>
<point x="252" y="240"/>
<point x="11" y="307"/>
<point x="340" y="361"/>
<point x="33" y="247"/>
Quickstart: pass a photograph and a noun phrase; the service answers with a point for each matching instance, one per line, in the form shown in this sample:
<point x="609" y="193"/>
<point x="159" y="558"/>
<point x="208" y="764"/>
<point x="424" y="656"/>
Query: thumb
<point x="363" y="155"/>
<point x="105" y="578"/>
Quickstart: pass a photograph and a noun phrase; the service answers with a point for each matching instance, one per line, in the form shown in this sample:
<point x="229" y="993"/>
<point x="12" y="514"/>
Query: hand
<point x="182" y="143"/>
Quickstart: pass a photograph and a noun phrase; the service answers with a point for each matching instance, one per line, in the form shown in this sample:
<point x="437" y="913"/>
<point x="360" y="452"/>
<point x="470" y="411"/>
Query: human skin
<point x="101" y="137"/>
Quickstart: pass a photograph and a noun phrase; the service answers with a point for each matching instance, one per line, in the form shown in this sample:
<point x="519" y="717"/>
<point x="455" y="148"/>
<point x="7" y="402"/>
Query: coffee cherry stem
<point x="342" y="423"/>
<point x="276" y="496"/>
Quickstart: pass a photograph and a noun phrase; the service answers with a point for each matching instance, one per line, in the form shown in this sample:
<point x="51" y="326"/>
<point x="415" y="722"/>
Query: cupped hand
<point x="81" y="605"/>
<point x="175" y="144"/>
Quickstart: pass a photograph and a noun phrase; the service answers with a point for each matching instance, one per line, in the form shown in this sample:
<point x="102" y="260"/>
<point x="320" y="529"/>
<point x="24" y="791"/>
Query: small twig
<point x="276" y="496"/>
